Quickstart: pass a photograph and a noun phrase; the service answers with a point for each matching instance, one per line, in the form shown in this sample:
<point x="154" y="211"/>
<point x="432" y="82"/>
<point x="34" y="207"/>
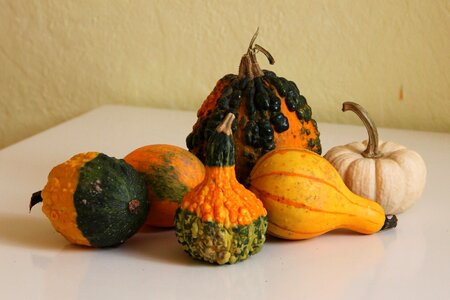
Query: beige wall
<point x="61" y="58"/>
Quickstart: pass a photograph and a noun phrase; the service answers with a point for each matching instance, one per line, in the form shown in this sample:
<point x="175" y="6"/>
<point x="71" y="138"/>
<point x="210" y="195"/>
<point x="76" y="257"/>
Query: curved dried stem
<point x="249" y="66"/>
<point x="266" y="53"/>
<point x="372" y="143"/>
<point x="250" y="46"/>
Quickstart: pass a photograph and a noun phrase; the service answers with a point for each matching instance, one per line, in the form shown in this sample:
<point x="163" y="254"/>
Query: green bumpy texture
<point x="216" y="243"/>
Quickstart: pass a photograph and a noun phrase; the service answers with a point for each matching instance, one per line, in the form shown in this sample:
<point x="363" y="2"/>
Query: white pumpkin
<point x="385" y="172"/>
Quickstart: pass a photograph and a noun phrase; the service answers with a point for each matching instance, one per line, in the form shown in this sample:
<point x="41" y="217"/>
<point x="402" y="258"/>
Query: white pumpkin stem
<point x="372" y="143"/>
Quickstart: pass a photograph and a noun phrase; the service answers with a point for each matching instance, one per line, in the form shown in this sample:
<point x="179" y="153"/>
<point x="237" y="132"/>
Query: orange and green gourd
<point x="94" y="200"/>
<point x="220" y="221"/>
<point x="270" y="111"/>
<point x="169" y="172"/>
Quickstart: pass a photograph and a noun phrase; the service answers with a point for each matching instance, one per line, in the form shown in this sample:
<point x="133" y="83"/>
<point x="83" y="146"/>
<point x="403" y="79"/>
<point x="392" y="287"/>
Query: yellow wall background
<point x="59" y="59"/>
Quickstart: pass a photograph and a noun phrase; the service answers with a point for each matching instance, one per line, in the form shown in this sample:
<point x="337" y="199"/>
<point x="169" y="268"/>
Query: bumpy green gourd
<point x="220" y="221"/>
<point x="270" y="110"/>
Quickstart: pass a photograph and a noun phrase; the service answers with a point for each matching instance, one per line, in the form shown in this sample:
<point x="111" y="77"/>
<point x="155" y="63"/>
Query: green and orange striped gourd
<point x="305" y="197"/>
<point x="169" y="173"/>
<point x="220" y="221"/>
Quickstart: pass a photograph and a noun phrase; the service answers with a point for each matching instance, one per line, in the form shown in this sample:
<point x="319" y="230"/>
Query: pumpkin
<point x="220" y="221"/>
<point x="270" y="110"/>
<point x="386" y="172"/>
<point x="305" y="197"/>
<point x="169" y="172"/>
<point x="94" y="200"/>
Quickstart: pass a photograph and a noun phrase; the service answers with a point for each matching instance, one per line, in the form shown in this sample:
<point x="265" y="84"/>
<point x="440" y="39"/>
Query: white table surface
<point x="409" y="262"/>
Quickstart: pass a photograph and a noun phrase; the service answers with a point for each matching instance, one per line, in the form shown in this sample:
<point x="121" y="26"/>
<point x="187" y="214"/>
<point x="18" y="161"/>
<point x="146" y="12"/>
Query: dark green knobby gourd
<point x="270" y="110"/>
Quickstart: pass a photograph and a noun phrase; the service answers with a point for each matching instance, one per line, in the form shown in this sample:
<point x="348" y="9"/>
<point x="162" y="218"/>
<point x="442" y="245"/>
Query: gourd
<point x="386" y="172"/>
<point x="169" y="172"/>
<point x="270" y="111"/>
<point x="305" y="197"/>
<point x="94" y="200"/>
<point x="220" y="221"/>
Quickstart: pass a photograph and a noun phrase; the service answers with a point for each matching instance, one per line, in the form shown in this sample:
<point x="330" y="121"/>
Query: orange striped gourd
<point x="305" y="197"/>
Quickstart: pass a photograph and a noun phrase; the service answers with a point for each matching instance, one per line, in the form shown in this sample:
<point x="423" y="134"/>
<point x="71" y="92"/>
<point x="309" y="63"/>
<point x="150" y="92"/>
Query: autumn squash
<point x="220" y="221"/>
<point x="271" y="112"/>
<point x="94" y="200"/>
<point x="305" y="197"/>
<point x="383" y="171"/>
<point x="169" y="172"/>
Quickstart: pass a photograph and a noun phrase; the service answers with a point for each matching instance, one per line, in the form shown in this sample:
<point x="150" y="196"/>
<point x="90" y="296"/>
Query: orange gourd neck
<point x="220" y="198"/>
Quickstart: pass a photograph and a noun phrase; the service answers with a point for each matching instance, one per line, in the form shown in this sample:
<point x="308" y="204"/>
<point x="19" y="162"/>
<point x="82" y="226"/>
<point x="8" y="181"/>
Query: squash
<point x="305" y="197"/>
<point x="386" y="172"/>
<point x="169" y="172"/>
<point x="270" y="113"/>
<point x="94" y="200"/>
<point x="220" y="221"/>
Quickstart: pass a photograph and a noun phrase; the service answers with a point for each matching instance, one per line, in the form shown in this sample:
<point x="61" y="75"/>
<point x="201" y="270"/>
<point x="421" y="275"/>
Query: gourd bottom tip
<point x="390" y="222"/>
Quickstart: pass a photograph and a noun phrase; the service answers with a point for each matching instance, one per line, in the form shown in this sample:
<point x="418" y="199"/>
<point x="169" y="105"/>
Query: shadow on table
<point x="336" y="232"/>
<point x="159" y="245"/>
<point x="28" y="231"/>
<point x="37" y="233"/>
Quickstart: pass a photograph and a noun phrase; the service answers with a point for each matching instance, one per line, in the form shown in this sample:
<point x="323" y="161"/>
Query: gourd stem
<point x="249" y="66"/>
<point x="266" y="53"/>
<point x="250" y="46"/>
<point x="372" y="143"/>
<point x="35" y="199"/>
<point x="225" y="126"/>
<point x="220" y="149"/>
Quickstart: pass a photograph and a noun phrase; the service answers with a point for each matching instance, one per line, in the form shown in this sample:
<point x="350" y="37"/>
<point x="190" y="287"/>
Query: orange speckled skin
<point x="172" y="168"/>
<point x="222" y="199"/>
<point x="294" y="137"/>
<point x="57" y="197"/>
<point x="210" y="102"/>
